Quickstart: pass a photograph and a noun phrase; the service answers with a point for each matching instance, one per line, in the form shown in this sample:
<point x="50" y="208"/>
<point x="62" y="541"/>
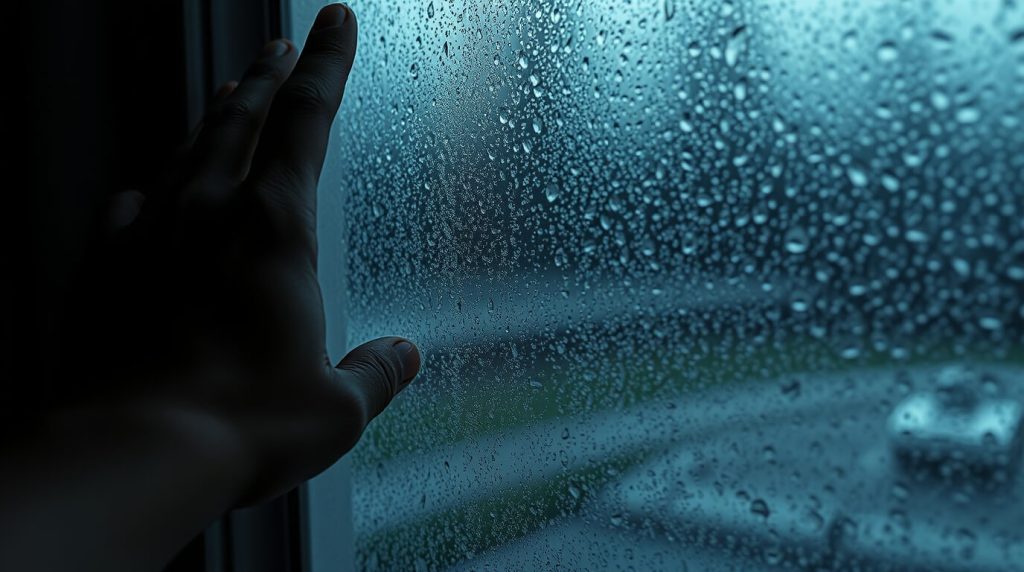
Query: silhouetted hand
<point x="215" y="303"/>
<point x="197" y="374"/>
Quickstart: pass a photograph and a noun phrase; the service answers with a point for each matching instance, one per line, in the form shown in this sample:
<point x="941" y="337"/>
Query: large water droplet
<point x="857" y="176"/>
<point x="670" y="9"/>
<point x="887" y="52"/>
<point x="760" y="508"/>
<point x="551" y="192"/>
<point x="796" y="241"/>
<point x="968" y="115"/>
<point x="734" y="46"/>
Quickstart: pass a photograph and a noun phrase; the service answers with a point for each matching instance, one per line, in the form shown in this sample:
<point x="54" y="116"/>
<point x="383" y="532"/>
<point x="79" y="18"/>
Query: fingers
<point x="219" y="96"/>
<point x="293" y="144"/>
<point x="223" y="150"/>
<point x="376" y="371"/>
<point x="175" y="171"/>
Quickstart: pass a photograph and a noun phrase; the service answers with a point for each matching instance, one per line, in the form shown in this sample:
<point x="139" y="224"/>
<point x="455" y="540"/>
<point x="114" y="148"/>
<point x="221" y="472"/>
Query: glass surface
<point x="699" y="284"/>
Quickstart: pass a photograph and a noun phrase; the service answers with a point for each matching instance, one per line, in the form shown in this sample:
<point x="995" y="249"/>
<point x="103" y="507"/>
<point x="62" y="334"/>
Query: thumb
<point x="376" y="371"/>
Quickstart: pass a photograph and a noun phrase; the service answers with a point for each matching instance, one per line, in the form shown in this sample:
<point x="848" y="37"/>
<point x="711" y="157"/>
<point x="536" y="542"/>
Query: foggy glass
<point x="672" y="266"/>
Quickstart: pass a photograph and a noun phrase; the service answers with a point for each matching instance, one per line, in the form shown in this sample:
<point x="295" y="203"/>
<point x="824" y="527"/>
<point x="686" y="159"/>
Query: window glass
<point x="718" y="284"/>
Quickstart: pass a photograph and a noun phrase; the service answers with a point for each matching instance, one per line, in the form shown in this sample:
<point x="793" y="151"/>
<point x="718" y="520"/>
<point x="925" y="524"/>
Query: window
<point x="717" y="284"/>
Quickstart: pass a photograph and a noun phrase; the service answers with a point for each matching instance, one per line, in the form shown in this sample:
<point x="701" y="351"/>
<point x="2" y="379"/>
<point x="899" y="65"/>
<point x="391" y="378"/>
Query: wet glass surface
<point x="672" y="266"/>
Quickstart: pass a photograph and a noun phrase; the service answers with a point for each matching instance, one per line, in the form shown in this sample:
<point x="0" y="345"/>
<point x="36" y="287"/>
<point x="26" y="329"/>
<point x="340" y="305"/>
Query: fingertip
<point x="409" y="356"/>
<point x="330" y="16"/>
<point x="373" y="373"/>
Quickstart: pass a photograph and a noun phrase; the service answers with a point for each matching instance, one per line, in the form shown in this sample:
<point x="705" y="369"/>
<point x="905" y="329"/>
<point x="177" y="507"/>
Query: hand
<point x="204" y="300"/>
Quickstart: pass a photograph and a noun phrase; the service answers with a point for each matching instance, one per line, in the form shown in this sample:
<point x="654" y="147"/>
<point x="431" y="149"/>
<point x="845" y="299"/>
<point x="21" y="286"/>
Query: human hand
<point x="205" y="299"/>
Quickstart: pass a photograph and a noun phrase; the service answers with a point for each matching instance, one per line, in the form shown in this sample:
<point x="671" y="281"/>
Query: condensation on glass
<point x="699" y="284"/>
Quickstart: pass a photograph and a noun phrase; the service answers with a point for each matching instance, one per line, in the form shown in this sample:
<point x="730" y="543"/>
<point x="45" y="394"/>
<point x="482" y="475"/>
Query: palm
<point x="210" y="294"/>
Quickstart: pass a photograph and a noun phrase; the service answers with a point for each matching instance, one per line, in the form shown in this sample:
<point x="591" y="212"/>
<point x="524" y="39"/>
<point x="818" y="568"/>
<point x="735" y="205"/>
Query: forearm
<point x="93" y="490"/>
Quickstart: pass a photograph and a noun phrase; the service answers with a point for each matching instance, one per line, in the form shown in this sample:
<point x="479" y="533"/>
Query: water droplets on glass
<point x="670" y="265"/>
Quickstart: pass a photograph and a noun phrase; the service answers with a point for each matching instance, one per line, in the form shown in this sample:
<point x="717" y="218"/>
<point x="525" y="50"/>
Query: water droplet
<point x="551" y="192"/>
<point x="990" y="323"/>
<point x="962" y="267"/>
<point x="857" y="176"/>
<point x="916" y="236"/>
<point x="942" y="39"/>
<point x="773" y="555"/>
<point x="813" y="520"/>
<point x="850" y="352"/>
<point x="799" y="302"/>
<point x="694" y="49"/>
<point x="760" y="508"/>
<point x="430" y="11"/>
<point x="796" y="240"/>
<point x="791" y="389"/>
<point x="939" y="100"/>
<point x="900" y="492"/>
<point x="734" y="46"/>
<point x="850" y="40"/>
<point x="739" y="90"/>
<point x="968" y="115"/>
<point x="887" y="52"/>
<point x="647" y="248"/>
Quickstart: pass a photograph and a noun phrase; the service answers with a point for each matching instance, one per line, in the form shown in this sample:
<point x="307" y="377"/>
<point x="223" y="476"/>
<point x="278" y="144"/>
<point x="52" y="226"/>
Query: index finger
<point x="287" y="163"/>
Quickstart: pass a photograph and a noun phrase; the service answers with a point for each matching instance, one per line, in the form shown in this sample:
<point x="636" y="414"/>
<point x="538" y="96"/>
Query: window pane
<point x="726" y="283"/>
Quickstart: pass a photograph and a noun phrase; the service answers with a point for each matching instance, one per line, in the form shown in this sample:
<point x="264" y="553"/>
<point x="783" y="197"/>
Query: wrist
<point x="125" y="484"/>
<point x="198" y="446"/>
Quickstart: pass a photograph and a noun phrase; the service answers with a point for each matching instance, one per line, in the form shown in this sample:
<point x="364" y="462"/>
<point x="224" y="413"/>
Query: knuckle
<point x="235" y="110"/>
<point x="310" y="95"/>
<point x="264" y="70"/>
<point x="329" y="44"/>
<point x="384" y="367"/>
<point x="379" y="377"/>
